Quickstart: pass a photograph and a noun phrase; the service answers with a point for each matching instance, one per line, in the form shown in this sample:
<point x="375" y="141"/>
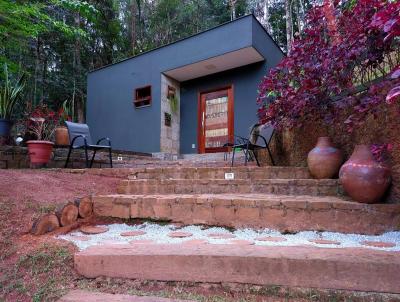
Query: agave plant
<point x="10" y="93"/>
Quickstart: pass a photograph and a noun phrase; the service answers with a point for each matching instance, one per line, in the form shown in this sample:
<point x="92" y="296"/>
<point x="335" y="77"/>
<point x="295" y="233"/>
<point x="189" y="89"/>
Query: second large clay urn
<point x="363" y="178"/>
<point x="324" y="160"/>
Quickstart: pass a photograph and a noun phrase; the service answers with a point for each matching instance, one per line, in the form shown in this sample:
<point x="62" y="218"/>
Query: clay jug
<point x="324" y="160"/>
<point x="61" y="136"/>
<point x="363" y="178"/>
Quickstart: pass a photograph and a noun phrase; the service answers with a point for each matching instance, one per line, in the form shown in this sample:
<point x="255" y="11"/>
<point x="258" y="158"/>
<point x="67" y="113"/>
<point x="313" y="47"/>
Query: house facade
<point x="190" y="96"/>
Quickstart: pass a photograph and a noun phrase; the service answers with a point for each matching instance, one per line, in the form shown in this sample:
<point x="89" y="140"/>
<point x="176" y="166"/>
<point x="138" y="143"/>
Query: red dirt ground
<point x="45" y="186"/>
<point x="40" y="268"/>
<point x="24" y="196"/>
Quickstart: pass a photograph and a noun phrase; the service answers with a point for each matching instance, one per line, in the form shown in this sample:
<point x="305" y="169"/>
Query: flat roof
<point x="186" y="38"/>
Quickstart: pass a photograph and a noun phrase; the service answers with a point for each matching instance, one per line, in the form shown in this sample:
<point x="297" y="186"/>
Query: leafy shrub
<point x="346" y="60"/>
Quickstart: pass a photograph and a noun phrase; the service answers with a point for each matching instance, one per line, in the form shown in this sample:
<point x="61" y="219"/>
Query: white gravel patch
<point x="159" y="234"/>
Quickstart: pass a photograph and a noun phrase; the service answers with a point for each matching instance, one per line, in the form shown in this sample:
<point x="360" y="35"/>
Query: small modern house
<point x="190" y="96"/>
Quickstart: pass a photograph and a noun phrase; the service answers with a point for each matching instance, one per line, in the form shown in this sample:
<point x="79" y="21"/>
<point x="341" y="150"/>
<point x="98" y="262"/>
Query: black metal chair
<point x="259" y="138"/>
<point x="79" y="137"/>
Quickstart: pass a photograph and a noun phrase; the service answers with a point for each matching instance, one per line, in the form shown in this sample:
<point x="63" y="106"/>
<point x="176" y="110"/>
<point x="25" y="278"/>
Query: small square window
<point x="142" y="97"/>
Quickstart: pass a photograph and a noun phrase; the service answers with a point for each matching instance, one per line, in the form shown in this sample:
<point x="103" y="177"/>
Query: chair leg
<point x="233" y="156"/>
<point x="270" y="155"/>
<point x="110" y="155"/>
<point x="255" y="156"/>
<point x="94" y="154"/>
<point x="69" y="154"/>
<point x="87" y="157"/>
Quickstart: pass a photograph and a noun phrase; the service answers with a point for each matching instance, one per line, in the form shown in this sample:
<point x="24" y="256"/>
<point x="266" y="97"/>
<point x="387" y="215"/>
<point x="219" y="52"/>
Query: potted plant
<point x="61" y="132"/>
<point x="174" y="103"/>
<point x="10" y="94"/>
<point x="41" y="124"/>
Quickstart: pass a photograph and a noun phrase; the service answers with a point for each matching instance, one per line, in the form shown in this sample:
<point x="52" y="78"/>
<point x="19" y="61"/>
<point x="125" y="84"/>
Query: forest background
<point x="57" y="42"/>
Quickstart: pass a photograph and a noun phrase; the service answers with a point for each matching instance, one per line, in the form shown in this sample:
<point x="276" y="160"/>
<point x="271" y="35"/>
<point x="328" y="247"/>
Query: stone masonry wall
<point x="15" y="157"/>
<point x="169" y="137"/>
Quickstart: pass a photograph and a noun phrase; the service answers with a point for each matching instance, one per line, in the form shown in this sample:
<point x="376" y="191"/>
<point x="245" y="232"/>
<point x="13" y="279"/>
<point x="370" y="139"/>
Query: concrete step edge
<point x="88" y="296"/>
<point x="343" y="269"/>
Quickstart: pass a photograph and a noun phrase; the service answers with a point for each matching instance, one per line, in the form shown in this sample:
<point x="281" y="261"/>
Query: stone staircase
<point x="282" y="198"/>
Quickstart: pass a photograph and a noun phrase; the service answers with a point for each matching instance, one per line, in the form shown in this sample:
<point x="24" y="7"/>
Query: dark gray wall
<point x="245" y="81"/>
<point x="110" y="110"/>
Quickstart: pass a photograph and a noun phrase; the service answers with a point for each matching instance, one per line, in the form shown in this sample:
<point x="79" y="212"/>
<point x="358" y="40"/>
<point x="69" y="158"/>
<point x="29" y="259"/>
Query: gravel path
<point x="155" y="233"/>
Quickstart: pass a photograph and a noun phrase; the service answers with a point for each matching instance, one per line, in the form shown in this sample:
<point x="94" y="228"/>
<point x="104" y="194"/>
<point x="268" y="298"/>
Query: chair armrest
<point x="240" y="137"/>
<point x="240" y="140"/>
<point x="263" y="138"/>
<point x="104" y="139"/>
<point x="78" y="136"/>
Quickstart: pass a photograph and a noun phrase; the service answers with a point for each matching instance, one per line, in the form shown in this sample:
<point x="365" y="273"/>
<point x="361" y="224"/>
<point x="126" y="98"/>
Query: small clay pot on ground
<point x="324" y="160"/>
<point x="61" y="136"/>
<point x="363" y="178"/>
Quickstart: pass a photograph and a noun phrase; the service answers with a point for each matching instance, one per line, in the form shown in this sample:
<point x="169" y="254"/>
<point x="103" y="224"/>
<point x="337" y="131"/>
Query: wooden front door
<point x="215" y="120"/>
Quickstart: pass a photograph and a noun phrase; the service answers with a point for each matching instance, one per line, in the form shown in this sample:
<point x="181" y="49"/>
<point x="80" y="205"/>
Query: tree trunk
<point x="133" y="26"/>
<point x="232" y="4"/>
<point x="67" y="214"/>
<point x="266" y="17"/>
<point x="85" y="206"/>
<point x="329" y="11"/>
<point x="44" y="72"/>
<point x="289" y="25"/>
<point x="302" y="14"/>
<point x="37" y="63"/>
<point x="78" y="95"/>
<point x="45" y="224"/>
<point x="140" y="21"/>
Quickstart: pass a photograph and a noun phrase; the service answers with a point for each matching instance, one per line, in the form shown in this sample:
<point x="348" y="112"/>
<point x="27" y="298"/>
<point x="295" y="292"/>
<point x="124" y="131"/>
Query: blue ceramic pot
<point x="5" y="127"/>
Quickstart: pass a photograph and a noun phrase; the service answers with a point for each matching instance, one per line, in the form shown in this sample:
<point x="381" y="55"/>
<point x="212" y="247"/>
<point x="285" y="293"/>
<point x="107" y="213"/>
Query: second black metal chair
<point x="259" y="138"/>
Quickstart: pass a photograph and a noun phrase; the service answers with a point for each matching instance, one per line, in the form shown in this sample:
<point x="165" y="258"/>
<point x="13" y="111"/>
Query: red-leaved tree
<point x="355" y="70"/>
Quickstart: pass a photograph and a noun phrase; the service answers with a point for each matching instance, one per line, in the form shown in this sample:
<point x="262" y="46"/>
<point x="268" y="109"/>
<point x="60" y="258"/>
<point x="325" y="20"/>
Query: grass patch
<point x="39" y="275"/>
<point x="40" y="208"/>
<point x="47" y="258"/>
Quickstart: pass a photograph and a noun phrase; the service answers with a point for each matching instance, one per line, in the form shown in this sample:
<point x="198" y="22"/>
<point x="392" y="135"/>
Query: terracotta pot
<point x="324" y="160"/>
<point x="39" y="151"/>
<point x="62" y="138"/>
<point x="363" y="178"/>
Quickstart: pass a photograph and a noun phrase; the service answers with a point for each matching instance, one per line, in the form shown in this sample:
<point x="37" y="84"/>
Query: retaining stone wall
<point x="15" y="157"/>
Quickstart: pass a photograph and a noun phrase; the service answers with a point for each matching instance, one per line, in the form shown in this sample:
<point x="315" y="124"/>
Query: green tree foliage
<point x="56" y="42"/>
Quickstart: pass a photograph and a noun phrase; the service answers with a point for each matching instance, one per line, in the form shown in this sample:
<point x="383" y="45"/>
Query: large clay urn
<point x="363" y="178"/>
<point x="324" y="160"/>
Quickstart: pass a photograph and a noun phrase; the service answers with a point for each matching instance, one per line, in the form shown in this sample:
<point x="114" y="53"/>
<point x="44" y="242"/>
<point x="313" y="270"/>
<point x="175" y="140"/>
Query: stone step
<point x="87" y="296"/>
<point x="285" y="213"/>
<point x="321" y="187"/>
<point x="309" y="267"/>
<point x="213" y="173"/>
